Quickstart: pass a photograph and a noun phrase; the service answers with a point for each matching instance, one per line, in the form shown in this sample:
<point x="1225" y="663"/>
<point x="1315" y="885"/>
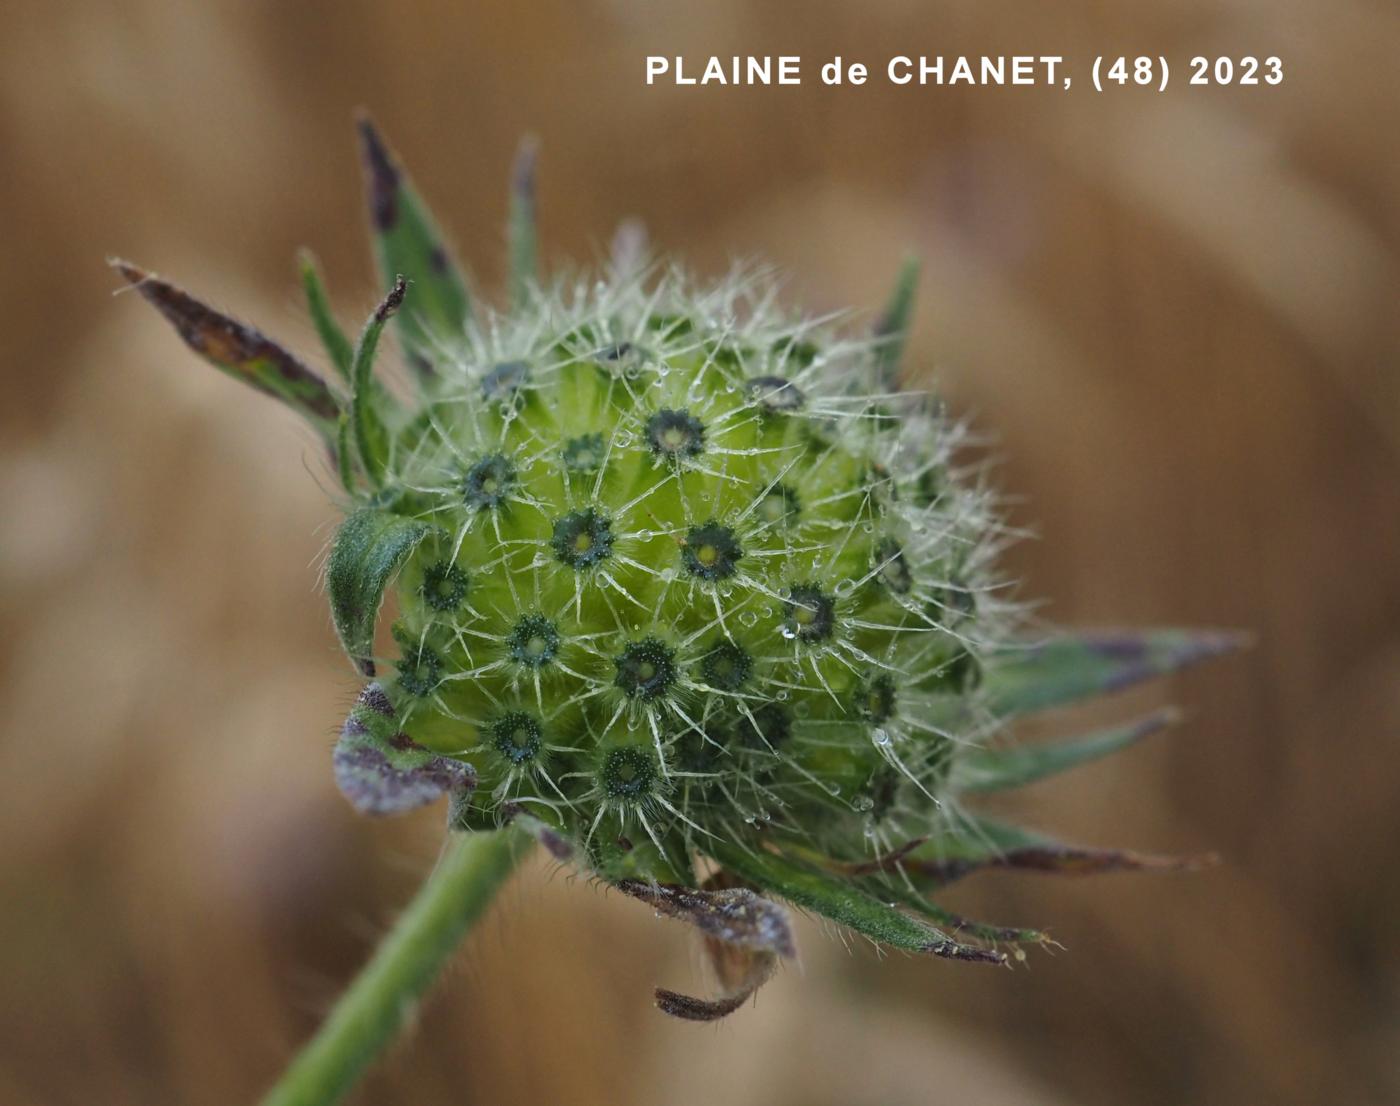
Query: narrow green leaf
<point x="999" y="769"/>
<point x="841" y="901"/>
<point x="371" y="437"/>
<point x="407" y="242"/>
<point x="1025" y="679"/>
<point x="381" y="771"/>
<point x="239" y="350"/>
<point x="892" y="328"/>
<point x="345" y="452"/>
<point x="896" y="891"/>
<point x="337" y="345"/>
<point x="882" y="877"/>
<point x="521" y="228"/>
<point x="987" y="843"/>
<point x="367" y="550"/>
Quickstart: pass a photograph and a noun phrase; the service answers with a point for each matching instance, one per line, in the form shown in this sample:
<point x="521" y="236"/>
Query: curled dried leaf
<point x="745" y="936"/>
<point x="380" y="770"/>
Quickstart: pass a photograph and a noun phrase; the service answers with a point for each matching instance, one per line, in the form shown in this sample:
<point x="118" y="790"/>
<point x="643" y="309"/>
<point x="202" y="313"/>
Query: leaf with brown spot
<point x="1025" y="679"/>
<point x="521" y="232"/>
<point x="407" y="242"/>
<point x="986" y="843"/>
<point x="239" y="350"/>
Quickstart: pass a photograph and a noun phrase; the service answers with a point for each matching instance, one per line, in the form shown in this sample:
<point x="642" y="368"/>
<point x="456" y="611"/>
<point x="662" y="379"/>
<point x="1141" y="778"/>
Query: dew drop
<point x="881" y="737"/>
<point x="844" y="587"/>
<point x="863" y="803"/>
<point x="748" y="618"/>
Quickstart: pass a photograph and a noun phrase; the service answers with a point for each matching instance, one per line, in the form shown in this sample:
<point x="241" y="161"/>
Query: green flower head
<point x="686" y="586"/>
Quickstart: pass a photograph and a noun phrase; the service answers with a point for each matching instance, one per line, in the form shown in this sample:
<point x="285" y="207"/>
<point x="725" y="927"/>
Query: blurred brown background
<point x="1176" y="312"/>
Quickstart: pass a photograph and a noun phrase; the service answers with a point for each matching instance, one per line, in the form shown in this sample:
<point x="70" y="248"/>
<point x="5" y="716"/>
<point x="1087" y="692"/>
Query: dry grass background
<point x="1178" y="313"/>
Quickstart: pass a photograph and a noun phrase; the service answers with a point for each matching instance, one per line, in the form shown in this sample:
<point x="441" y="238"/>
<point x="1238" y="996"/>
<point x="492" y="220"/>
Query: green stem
<point x="372" y="1011"/>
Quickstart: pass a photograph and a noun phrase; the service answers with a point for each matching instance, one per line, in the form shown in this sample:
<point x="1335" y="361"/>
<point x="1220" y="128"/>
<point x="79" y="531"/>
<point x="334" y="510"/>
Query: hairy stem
<point x="372" y="1011"/>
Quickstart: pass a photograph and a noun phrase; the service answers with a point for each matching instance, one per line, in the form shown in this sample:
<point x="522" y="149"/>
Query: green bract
<point x="684" y="585"/>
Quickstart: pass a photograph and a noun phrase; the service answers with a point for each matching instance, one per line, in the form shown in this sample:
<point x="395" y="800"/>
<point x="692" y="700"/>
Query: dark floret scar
<point x="584" y="454"/>
<point x="809" y="614"/>
<point x="711" y="551"/>
<point x="779" y="506"/>
<point x="444" y="586"/>
<point x="891" y="567"/>
<point x="582" y="539"/>
<point x="516" y="737"/>
<point x="489" y="482"/>
<point x="767" y="727"/>
<point x="420" y="671"/>
<point x="675" y="434"/>
<point x="776" y="393"/>
<point x="877" y="699"/>
<point x="534" y="641"/>
<point x="627" y="773"/>
<point x="504" y="382"/>
<point x="726" y="666"/>
<point x="646" y="669"/>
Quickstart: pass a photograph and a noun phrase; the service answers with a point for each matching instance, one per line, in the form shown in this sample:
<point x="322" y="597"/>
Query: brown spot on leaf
<point x="234" y="346"/>
<point x="382" y="178"/>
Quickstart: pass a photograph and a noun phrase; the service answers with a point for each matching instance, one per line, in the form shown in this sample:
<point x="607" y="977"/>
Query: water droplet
<point x="868" y="527"/>
<point x="788" y="632"/>
<point x="863" y="803"/>
<point x="844" y="587"/>
<point x="748" y="618"/>
<point x="801" y="708"/>
<point x="782" y="695"/>
<point x="881" y="737"/>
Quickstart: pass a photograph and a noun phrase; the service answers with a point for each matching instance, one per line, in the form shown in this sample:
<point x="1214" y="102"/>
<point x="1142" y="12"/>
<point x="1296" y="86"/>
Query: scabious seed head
<point x="679" y="577"/>
<point x="668" y="528"/>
